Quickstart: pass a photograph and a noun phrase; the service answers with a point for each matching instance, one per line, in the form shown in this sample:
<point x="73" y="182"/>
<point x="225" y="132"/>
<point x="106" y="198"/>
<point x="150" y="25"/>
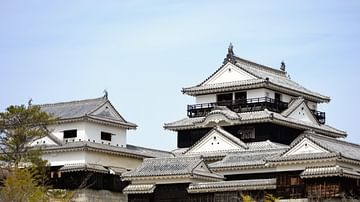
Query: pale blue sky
<point x="144" y="52"/>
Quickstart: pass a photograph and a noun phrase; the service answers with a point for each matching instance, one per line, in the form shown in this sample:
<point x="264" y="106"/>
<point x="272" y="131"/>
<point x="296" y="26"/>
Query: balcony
<point x="246" y="105"/>
<point x="241" y="105"/>
<point x="320" y="116"/>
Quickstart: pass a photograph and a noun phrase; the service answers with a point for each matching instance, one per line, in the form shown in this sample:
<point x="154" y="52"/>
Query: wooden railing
<point x="241" y="105"/>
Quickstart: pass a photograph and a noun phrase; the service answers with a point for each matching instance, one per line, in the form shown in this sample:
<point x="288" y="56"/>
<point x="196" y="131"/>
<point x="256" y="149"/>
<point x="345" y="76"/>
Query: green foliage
<point x="246" y="198"/>
<point x="27" y="172"/>
<point x="271" y="198"/>
<point x="19" y="125"/>
<point x="21" y="186"/>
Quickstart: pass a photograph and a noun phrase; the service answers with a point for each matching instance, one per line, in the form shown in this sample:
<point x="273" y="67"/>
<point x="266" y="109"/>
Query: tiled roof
<point x="129" y="150"/>
<point x="265" y="145"/>
<point x="83" y="167"/>
<point x="256" y="117"/>
<point x="342" y="148"/>
<point x="292" y="106"/>
<point x="139" y="189"/>
<point x="336" y="148"/>
<point x="234" y="185"/>
<point x="329" y="171"/>
<point x="83" y="109"/>
<point x="265" y="77"/>
<point x="300" y="157"/>
<point x="276" y="77"/>
<point x="246" y="158"/>
<point x="170" y="167"/>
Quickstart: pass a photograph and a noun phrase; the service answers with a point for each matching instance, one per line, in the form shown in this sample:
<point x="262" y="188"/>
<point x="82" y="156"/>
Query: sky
<point x="144" y="52"/>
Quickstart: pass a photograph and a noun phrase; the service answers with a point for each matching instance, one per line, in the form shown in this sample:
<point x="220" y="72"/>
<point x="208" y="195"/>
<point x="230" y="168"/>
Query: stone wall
<point x="88" y="195"/>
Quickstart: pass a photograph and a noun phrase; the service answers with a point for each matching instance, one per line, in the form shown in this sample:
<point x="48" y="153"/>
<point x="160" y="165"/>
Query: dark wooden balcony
<point x="320" y="116"/>
<point x="241" y="105"/>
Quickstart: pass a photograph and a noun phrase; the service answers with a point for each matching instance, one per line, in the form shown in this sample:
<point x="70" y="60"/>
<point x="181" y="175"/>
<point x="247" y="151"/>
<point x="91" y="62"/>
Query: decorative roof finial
<point x="283" y="66"/>
<point x="30" y="102"/>
<point x="106" y="94"/>
<point x="230" y="57"/>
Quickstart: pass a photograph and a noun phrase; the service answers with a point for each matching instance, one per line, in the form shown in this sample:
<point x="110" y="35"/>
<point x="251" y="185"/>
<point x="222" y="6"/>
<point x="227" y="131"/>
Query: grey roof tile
<point x="234" y="185"/>
<point x="73" y="109"/>
<point x="247" y="158"/>
<point x="141" y="152"/>
<point x="170" y="167"/>
<point x="83" y="109"/>
<point x="83" y="167"/>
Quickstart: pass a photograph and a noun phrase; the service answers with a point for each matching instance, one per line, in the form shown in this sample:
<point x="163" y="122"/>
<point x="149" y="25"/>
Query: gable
<point x="303" y="113"/>
<point x="107" y="111"/>
<point x="202" y="167"/>
<point x="44" y="141"/>
<point x="305" y="146"/>
<point x="229" y="73"/>
<point x="214" y="141"/>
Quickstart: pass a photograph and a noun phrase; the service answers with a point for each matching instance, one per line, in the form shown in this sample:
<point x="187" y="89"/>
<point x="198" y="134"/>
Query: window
<point x="277" y="96"/>
<point x="70" y="133"/>
<point x="224" y="97"/>
<point x="240" y="95"/>
<point x="106" y="136"/>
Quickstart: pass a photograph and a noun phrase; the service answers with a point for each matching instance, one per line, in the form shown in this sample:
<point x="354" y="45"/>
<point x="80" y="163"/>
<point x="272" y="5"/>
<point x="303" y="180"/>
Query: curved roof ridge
<point x="74" y="101"/>
<point x="262" y="67"/>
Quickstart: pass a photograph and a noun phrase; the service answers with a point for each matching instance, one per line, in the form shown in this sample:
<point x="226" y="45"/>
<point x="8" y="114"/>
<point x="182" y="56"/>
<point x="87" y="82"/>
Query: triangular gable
<point x="216" y="140"/>
<point x="302" y="112"/>
<point x="228" y="73"/>
<point x="47" y="140"/>
<point x="305" y="146"/>
<point x="202" y="167"/>
<point x="107" y="111"/>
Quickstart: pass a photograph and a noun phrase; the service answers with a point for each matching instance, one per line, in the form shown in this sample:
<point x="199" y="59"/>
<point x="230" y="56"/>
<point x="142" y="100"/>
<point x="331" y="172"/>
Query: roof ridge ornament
<point x="230" y="57"/>
<point x="106" y="94"/>
<point x="283" y="66"/>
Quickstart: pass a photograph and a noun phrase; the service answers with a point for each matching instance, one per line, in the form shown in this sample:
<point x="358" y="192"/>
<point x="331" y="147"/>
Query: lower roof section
<point x="139" y="189"/>
<point x="329" y="171"/>
<point x="236" y="185"/>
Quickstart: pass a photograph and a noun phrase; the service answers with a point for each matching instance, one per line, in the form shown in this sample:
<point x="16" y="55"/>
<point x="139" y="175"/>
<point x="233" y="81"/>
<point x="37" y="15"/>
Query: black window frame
<point x="70" y="133"/>
<point x="105" y="136"/>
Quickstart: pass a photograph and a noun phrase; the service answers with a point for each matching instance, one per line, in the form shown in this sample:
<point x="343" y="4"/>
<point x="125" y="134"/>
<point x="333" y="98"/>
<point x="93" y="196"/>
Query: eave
<point x="194" y="91"/>
<point x="98" y="120"/>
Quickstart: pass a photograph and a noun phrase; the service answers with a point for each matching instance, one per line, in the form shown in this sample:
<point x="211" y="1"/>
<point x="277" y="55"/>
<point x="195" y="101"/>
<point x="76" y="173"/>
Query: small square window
<point x="106" y="136"/>
<point x="70" y="133"/>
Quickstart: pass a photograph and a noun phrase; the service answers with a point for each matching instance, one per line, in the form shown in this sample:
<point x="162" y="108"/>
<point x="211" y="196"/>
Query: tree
<point x="20" y="185"/>
<point x="19" y="125"/>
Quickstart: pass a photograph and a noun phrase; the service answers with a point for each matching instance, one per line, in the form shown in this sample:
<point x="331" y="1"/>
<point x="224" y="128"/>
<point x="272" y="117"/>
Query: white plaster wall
<point x="285" y="98"/>
<point x="205" y="98"/>
<point x="215" y="142"/>
<point x="112" y="160"/>
<point x="86" y="131"/>
<point x="58" y="130"/>
<point x="229" y="73"/>
<point x="302" y="113"/>
<point x="62" y="158"/>
<point x="93" y="132"/>
<point x="104" y="159"/>
<point x="256" y="93"/>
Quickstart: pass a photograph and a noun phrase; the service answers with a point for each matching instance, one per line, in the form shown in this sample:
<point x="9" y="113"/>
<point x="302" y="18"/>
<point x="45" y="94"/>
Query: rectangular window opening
<point x="70" y="133"/>
<point x="278" y="96"/>
<point x="240" y="96"/>
<point x="224" y="99"/>
<point x="106" y="136"/>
